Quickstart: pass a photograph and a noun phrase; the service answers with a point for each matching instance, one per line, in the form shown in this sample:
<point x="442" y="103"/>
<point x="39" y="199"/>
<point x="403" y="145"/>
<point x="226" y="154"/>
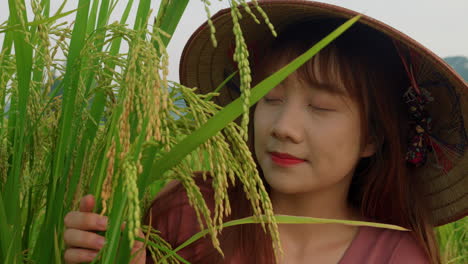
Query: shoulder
<point x="377" y="245"/>
<point x="407" y="250"/>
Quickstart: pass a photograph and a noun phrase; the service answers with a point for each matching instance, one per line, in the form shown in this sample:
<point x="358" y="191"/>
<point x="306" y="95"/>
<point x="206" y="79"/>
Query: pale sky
<point x="440" y="25"/>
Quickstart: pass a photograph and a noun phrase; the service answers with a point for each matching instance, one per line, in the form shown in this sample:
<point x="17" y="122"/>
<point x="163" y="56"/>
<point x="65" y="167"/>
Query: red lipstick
<point x="284" y="159"/>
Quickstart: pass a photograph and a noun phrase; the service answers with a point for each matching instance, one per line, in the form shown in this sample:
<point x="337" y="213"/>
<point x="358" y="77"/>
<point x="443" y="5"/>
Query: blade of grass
<point x="92" y="17"/>
<point x="5" y="76"/>
<point x="98" y="102"/>
<point x="17" y="123"/>
<point x="116" y="219"/>
<point x="9" y="257"/>
<point x="126" y="12"/>
<point x="104" y="14"/>
<point x="57" y="248"/>
<point x="55" y="196"/>
<point x="7" y="41"/>
<point x="223" y="84"/>
<point x="23" y="55"/>
<point x="142" y="14"/>
<point x="46" y="7"/>
<point x="47" y="20"/>
<point x="39" y="60"/>
<point x="7" y="44"/>
<point x="234" y="109"/>
<point x="287" y="219"/>
<point x="29" y="219"/>
<point x="5" y="231"/>
<point x="61" y="7"/>
<point x="168" y="18"/>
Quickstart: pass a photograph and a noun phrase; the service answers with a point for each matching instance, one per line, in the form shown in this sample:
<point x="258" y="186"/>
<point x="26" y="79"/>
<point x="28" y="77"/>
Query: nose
<point x="288" y="124"/>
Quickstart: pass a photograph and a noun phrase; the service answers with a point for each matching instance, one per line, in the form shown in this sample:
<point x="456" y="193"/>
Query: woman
<point x="360" y="132"/>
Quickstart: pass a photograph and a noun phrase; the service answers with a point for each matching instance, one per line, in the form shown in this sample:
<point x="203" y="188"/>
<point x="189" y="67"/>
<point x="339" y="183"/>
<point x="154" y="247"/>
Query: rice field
<point x="87" y="108"/>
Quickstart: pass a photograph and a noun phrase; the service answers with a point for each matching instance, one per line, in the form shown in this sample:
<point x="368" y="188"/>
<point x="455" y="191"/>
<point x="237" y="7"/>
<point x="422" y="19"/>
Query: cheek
<point x="261" y="131"/>
<point x="336" y="139"/>
<point x="346" y="142"/>
<point x="256" y="132"/>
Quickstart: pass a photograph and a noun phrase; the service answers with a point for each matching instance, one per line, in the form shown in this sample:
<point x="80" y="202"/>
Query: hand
<point x="82" y="242"/>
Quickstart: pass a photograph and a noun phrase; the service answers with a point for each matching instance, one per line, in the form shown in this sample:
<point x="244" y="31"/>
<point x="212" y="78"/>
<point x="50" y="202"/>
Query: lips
<point x="284" y="159"/>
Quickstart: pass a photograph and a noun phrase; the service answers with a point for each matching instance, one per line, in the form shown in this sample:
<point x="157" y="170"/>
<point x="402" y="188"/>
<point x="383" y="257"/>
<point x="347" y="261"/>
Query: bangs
<point x="329" y="70"/>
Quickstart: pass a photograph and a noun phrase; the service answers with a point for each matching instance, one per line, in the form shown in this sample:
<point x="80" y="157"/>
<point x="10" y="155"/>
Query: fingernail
<point x="102" y="222"/>
<point x="101" y="241"/>
<point x="92" y="254"/>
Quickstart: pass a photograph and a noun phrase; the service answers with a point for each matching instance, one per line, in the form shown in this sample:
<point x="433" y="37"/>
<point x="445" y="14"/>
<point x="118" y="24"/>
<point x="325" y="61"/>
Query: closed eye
<point x="320" y="108"/>
<point x="272" y="100"/>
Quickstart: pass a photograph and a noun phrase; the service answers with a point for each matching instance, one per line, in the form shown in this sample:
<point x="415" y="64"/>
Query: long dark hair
<point x="382" y="188"/>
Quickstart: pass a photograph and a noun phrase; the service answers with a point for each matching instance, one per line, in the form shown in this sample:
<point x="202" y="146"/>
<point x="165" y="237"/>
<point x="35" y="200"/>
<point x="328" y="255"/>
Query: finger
<point x="87" y="203"/>
<point x="138" y="244"/>
<point x="139" y="256"/>
<point x="78" y="255"/>
<point x="138" y="250"/>
<point x="86" y="221"/>
<point x="83" y="239"/>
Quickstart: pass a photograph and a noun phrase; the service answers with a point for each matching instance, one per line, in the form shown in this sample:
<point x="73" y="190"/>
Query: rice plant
<point x="87" y="108"/>
<point x="104" y="120"/>
<point x="453" y="241"/>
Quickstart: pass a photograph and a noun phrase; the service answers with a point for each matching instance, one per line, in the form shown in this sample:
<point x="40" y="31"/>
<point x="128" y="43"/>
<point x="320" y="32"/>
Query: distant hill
<point x="460" y="64"/>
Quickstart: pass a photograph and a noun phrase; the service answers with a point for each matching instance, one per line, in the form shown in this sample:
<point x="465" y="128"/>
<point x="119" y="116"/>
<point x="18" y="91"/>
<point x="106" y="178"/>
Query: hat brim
<point x="206" y="67"/>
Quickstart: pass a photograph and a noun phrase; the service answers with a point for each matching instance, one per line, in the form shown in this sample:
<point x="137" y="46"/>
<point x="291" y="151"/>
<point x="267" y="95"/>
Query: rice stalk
<point x="453" y="241"/>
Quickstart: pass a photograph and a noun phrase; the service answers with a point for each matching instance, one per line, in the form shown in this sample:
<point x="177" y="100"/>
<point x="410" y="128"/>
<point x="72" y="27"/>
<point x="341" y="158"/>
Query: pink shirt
<point x="370" y="245"/>
<point x="377" y="245"/>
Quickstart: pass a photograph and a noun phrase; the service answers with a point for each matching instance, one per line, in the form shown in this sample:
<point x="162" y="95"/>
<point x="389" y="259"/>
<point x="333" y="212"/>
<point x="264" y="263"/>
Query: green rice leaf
<point x="46" y="7"/>
<point x="6" y="75"/>
<point x="142" y="14"/>
<point x="47" y="20"/>
<point x="57" y="255"/>
<point x="29" y="220"/>
<point x="63" y="154"/>
<point x="168" y="18"/>
<point x="113" y="234"/>
<point x="7" y="43"/>
<point x="17" y="126"/>
<point x="92" y="17"/>
<point x="223" y="84"/>
<point x="99" y="100"/>
<point x="126" y="12"/>
<point x="5" y="231"/>
<point x="287" y="219"/>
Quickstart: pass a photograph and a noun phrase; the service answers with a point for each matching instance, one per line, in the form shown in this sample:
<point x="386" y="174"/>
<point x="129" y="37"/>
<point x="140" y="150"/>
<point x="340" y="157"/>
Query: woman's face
<point x="319" y="127"/>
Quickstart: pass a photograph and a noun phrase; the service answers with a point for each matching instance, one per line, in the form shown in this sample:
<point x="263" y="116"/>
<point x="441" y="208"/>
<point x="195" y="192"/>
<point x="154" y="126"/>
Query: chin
<point x="284" y="183"/>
